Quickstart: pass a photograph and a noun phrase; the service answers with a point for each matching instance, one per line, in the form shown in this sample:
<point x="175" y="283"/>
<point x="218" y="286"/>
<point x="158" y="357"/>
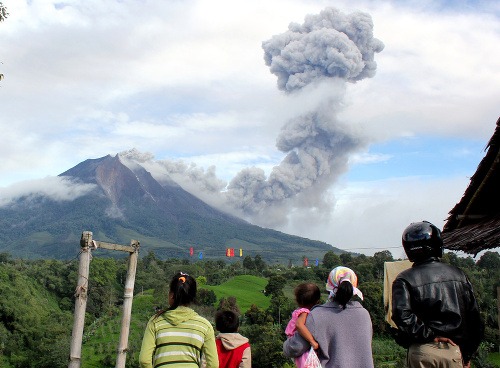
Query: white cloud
<point x="55" y="188"/>
<point x="437" y="75"/>
<point x="369" y="217"/>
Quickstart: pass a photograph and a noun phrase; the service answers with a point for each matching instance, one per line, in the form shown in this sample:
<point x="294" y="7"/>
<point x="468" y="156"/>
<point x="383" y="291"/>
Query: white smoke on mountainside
<point x="57" y="188"/>
<point x="318" y="57"/>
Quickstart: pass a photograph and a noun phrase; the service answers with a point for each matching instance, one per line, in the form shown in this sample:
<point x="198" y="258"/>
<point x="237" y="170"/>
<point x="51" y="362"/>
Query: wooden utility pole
<point x="498" y="306"/>
<point x="87" y="243"/>
<point x="80" y="301"/>
<point x="128" y="297"/>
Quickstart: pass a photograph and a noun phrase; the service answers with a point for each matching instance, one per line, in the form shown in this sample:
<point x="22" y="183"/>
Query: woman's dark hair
<point x="344" y="293"/>
<point x="226" y="321"/>
<point x="183" y="288"/>
<point x="307" y="294"/>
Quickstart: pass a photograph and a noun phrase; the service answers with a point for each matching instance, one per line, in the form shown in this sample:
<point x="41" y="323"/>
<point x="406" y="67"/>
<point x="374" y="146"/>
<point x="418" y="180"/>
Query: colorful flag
<point x="200" y="256"/>
<point x="241" y="252"/>
<point x="191" y="251"/>
<point x="306" y="262"/>
<point x="317" y="262"/>
<point x="229" y="252"/>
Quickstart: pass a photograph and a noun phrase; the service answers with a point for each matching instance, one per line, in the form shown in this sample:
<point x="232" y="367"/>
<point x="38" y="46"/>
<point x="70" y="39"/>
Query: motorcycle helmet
<point x="422" y="240"/>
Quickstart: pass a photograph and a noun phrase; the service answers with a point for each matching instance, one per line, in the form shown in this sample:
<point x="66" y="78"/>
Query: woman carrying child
<point x="341" y="326"/>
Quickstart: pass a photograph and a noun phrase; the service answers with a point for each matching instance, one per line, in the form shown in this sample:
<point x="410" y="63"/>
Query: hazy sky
<point x="349" y="154"/>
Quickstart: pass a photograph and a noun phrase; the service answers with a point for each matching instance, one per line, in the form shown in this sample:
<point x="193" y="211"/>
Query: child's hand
<point x="315" y="345"/>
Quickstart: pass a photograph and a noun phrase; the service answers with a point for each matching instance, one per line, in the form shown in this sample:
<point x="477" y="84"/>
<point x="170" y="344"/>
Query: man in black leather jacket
<point x="433" y="304"/>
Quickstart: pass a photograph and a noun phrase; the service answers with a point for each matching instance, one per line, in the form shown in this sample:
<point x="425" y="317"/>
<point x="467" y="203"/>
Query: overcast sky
<point x="348" y="156"/>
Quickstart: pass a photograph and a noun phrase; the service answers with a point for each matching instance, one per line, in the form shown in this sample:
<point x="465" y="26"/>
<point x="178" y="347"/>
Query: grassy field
<point x="247" y="289"/>
<point x="494" y="358"/>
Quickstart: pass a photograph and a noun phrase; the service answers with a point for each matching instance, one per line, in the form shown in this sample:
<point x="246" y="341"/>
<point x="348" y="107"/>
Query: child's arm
<point x="300" y="325"/>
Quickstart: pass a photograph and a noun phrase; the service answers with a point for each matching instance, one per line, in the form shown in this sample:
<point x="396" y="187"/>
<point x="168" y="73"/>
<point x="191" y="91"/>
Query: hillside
<point x="247" y="289"/>
<point x="125" y="204"/>
<point x="32" y="325"/>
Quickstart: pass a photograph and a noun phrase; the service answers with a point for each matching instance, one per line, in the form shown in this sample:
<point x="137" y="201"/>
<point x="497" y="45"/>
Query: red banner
<point x="191" y="251"/>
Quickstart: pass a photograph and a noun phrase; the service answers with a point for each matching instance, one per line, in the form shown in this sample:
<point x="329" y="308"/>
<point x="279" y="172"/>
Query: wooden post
<point x="498" y="306"/>
<point x="128" y="297"/>
<point x="80" y="301"/>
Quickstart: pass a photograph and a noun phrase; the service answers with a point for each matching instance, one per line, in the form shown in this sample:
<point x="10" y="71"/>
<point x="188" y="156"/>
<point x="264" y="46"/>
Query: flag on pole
<point x="229" y="252"/>
<point x="200" y="256"/>
<point x="191" y="251"/>
<point x="317" y="262"/>
<point x="306" y="262"/>
<point x="241" y="252"/>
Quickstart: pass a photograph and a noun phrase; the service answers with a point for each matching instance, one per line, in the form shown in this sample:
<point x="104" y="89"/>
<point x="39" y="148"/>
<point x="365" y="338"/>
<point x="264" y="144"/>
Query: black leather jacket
<point x="435" y="299"/>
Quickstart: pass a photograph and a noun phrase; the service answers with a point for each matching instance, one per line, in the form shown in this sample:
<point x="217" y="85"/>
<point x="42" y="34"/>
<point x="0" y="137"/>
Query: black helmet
<point x="422" y="240"/>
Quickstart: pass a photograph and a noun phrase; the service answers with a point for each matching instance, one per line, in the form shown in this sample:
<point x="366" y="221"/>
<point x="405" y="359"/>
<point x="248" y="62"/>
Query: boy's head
<point x="226" y="321"/>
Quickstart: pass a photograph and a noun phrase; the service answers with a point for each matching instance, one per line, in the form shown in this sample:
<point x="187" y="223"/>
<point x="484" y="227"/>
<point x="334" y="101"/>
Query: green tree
<point x="257" y="316"/>
<point x="260" y="264"/>
<point x="461" y="262"/>
<point x="275" y="285"/>
<point x="229" y="303"/>
<point x="103" y="287"/>
<point x="379" y="258"/>
<point x="267" y="345"/>
<point x="345" y="259"/>
<point x="331" y="260"/>
<point x="150" y="260"/>
<point x="201" y="280"/>
<point x="3" y="12"/>
<point x="4" y="257"/>
<point x="374" y="303"/>
<point x="365" y="271"/>
<point x="280" y="309"/>
<point x="34" y="332"/>
<point x="248" y="263"/>
<point x="489" y="261"/>
<point x="206" y="297"/>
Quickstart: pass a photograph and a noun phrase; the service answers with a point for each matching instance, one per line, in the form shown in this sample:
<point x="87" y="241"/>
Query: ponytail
<point x="344" y="293"/>
<point x="183" y="289"/>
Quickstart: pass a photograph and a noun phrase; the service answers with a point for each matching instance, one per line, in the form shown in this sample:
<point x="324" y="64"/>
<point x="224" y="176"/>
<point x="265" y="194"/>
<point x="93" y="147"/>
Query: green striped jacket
<point x="178" y="338"/>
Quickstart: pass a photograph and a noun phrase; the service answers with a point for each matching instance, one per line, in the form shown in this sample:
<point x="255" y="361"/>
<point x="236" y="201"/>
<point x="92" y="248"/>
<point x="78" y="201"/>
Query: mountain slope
<point x="128" y="203"/>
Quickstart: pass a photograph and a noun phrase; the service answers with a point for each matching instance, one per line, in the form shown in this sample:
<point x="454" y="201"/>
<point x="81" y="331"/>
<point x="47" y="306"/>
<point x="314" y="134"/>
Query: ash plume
<point x="330" y="49"/>
<point x="330" y="44"/>
<point x="316" y="58"/>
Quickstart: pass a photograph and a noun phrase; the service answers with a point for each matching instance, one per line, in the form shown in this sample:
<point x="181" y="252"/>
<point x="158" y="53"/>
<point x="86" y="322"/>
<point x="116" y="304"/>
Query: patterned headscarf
<point x="339" y="274"/>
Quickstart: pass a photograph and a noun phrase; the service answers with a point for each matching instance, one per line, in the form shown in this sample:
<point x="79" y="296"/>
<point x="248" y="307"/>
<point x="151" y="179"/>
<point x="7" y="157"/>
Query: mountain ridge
<point x="126" y="203"/>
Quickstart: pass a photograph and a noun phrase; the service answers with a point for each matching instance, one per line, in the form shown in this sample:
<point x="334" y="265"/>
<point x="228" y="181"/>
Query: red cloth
<point x="230" y="358"/>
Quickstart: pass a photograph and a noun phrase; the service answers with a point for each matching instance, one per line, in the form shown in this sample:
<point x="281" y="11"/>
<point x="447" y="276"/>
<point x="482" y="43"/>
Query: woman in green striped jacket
<point x="179" y="336"/>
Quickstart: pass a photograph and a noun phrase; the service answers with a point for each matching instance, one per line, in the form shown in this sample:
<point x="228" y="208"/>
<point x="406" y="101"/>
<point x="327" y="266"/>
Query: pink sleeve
<point x="297" y="312"/>
<point x="290" y="328"/>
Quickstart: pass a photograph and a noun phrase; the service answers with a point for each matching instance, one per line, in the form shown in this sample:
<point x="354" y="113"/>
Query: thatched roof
<point x="474" y="223"/>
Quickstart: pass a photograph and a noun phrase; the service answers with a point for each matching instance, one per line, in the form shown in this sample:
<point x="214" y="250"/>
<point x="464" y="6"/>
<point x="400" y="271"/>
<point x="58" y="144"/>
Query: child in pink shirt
<point x="307" y="295"/>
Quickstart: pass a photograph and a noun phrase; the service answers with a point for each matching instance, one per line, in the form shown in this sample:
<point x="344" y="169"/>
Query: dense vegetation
<point x="37" y="300"/>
